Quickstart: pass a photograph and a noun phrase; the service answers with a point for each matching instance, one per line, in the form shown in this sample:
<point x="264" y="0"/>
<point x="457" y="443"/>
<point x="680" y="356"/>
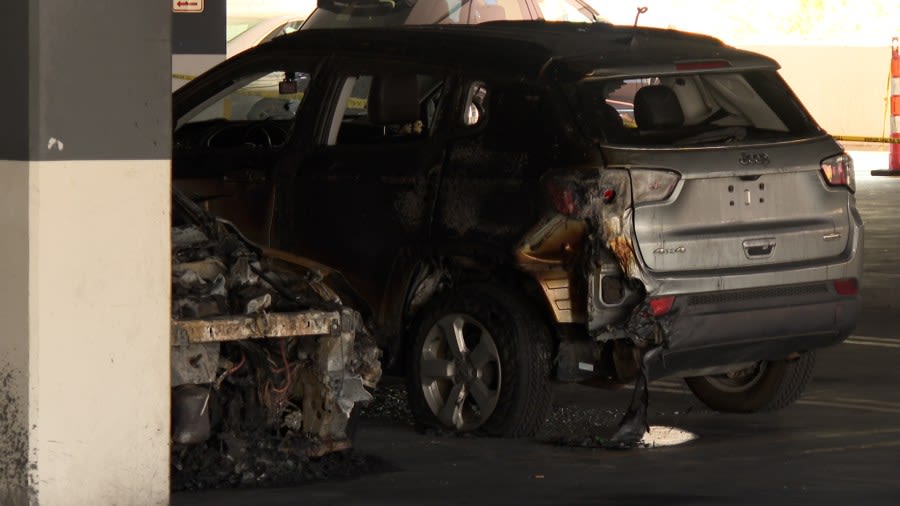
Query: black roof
<point x="525" y="48"/>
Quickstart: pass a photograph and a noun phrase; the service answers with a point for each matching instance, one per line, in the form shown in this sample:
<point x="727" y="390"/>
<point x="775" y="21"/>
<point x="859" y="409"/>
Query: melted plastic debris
<point x="661" y="436"/>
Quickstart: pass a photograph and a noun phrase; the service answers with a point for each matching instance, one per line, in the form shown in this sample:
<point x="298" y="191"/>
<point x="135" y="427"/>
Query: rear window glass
<point x="691" y="109"/>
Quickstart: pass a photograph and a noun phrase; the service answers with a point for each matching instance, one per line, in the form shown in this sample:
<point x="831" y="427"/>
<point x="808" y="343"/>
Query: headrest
<point x="657" y="107"/>
<point x="394" y="99"/>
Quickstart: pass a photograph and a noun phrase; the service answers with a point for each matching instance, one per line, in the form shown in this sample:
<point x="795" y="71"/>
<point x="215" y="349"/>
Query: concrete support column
<point x="84" y="217"/>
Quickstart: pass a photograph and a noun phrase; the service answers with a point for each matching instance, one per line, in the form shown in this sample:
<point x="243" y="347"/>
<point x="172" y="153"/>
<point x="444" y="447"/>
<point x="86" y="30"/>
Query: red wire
<point x="287" y="369"/>
<point x="235" y="368"/>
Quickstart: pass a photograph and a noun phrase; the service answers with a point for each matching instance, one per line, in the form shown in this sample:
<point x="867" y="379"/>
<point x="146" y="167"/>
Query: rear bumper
<point x="732" y="327"/>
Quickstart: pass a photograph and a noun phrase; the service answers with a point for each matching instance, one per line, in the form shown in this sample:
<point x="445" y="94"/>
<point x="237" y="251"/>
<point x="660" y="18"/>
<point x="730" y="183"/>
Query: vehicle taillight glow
<point x="849" y="286"/>
<point x="659" y="306"/>
<point x="609" y="195"/>
<point x="563" y="198"/>
<point x="652" y="185"/>
<point x="702" y="65"/>
<point x="838" y="171"/>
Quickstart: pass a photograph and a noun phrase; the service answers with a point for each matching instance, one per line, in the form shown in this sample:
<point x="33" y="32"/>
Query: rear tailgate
<point x="741" y="207"/>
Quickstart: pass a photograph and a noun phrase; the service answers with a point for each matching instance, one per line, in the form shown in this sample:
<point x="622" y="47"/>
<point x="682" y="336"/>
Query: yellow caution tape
<point x="270" y="94"/>
<point x="852" y="138"/>
<point x="353" y="103"/>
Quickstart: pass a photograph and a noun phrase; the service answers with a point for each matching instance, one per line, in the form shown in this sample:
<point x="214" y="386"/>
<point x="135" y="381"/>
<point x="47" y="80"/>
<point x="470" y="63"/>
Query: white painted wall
<point x="844" y="87"/>
<point x="97" y="269"/>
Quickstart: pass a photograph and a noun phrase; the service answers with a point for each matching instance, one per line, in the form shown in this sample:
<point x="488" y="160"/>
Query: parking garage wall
<point x="844" y="87"/>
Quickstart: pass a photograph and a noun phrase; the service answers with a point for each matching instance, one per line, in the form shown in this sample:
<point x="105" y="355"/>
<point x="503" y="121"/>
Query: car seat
<point x="656" y="107"/>
<point x="658" y="115"/>
<point x="394" y="99"/>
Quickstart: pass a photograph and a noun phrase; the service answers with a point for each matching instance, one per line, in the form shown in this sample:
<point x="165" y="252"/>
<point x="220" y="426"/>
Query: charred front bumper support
<point x="337" y="377"/>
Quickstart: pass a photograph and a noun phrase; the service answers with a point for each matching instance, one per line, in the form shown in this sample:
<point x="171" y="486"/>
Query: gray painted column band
<point x="91" y="80"/>
<point x="200" y="33"/>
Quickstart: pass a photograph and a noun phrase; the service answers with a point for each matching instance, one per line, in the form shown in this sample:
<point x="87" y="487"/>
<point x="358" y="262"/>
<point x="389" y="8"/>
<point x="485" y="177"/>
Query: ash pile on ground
<point x="566" y="426"/>
<point x="267" y="459"/>
<point x="570" y="426"/>
<point x="229" y="461"/>
<point x="275" y="459"/>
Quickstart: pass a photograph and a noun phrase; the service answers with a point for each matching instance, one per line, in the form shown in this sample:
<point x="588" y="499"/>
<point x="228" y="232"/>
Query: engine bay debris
<point x="265" y="358"/>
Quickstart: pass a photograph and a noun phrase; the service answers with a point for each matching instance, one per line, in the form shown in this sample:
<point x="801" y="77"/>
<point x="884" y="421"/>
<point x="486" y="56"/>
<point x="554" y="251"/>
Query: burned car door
<point x="232" y="131"/>
<point x="490" y="193"/>
<point x="364" y="194"/>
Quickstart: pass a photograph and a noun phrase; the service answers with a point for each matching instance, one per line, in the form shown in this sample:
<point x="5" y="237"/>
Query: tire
<point x="499" y="383"/>
<point x="767" y="386"/>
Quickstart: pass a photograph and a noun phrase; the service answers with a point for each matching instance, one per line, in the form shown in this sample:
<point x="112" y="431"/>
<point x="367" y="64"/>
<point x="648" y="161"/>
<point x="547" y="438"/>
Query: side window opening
<point x="504" y="130"/>
<point x="388" y="107"/>
<point x="257" y="110"/>
<point x="258" y="96"/>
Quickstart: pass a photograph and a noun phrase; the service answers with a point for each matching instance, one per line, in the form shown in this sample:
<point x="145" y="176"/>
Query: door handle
<point x="759" y="248"/>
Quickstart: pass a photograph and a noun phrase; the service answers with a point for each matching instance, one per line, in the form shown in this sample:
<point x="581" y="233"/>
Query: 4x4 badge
<point x="754" y="159"/>
<point x="669" y="251"/>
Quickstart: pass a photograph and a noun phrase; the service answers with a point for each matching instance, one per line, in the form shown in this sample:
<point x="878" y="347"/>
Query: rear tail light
<point x="849" y="286"/>
<point x="838" y="171"/>
<point x="660" y="306"/>
<point x="652" y="185"/>
<point x="573" y="191"/>
<point x="564" y="197"/>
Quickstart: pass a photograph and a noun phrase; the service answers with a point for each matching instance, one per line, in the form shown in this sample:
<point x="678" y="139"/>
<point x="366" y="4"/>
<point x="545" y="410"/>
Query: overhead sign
<point x="195" y="6"/>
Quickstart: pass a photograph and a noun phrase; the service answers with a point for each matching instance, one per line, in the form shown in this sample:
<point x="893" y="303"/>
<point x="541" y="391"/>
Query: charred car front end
<point x="259" y="348"/>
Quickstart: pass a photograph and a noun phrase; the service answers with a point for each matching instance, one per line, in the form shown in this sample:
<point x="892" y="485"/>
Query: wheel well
<point x="433" y="275"/>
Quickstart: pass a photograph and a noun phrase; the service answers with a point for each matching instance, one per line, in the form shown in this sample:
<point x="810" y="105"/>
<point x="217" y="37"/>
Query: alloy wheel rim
<point x="460" y="372"/>
<point x="738" y="381"/>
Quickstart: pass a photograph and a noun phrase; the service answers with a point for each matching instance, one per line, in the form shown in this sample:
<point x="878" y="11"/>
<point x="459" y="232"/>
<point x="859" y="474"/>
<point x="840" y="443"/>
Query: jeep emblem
<point x="754" y="159"/>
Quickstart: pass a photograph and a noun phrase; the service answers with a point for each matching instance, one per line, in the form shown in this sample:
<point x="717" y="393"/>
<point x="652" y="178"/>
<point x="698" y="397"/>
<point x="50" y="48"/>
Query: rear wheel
<point x="765" y="386"/>
<point x="480" y="361"/>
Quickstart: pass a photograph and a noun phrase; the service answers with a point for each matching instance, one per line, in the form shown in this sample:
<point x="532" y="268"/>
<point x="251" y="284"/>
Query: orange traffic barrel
<point x="894" y="157"/>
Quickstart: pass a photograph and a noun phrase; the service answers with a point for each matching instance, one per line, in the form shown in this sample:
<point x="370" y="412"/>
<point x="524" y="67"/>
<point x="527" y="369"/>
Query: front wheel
<point x="480" y="360"/>
<point x="765" y="386"/>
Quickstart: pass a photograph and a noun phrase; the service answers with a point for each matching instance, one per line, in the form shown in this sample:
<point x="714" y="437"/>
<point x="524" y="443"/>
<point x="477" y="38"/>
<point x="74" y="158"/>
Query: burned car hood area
<point x="516" y="202"/>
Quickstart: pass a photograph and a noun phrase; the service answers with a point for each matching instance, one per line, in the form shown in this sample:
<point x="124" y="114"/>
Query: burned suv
<point x="517" y="202"/>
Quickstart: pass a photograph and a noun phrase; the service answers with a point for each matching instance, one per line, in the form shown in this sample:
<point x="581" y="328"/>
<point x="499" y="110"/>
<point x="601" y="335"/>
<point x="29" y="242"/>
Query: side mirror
<point x="475" y="100"/>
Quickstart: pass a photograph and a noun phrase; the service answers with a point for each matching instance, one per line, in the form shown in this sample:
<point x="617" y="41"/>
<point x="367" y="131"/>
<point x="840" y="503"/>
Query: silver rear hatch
<point x="741" y="207"/>
<point x="728" y="171"/>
